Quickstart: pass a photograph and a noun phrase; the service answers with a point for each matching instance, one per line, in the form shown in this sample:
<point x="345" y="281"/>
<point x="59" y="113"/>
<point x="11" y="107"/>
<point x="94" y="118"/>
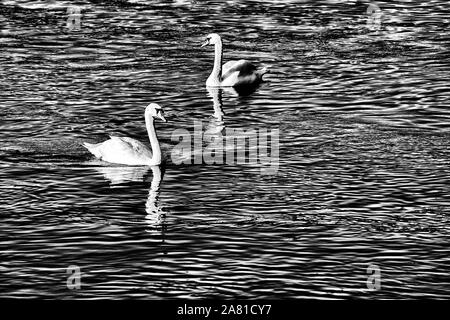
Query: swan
<point x="128" y="151"/>
<point x="232" y="73"/>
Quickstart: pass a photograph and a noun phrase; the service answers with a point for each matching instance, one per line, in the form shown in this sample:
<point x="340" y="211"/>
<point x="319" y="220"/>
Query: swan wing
<point x="132" y="146"/>
<point x="122" y="150"/>
<point x="243" y="67"/>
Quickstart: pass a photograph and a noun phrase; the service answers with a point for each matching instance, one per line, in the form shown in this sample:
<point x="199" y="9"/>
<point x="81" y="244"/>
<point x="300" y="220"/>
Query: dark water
<point x="363" y="177"/>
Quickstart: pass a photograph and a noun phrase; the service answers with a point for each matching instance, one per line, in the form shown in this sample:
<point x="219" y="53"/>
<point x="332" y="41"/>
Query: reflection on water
<point x="118" y="175"/>
<point x="361" y="102"/>
<point x="216" y="124"/>
<point x="155" y="214"/>
<point x="123" y="174"/>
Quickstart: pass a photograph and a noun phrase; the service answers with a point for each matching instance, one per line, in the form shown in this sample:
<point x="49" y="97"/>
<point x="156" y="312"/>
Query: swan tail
<point x="93" y="148"/>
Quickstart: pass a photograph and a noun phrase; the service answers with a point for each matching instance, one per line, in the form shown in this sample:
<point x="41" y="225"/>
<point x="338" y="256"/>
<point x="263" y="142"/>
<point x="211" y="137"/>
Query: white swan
<point x="124" y="150"/>
<point x="232" y="73"/>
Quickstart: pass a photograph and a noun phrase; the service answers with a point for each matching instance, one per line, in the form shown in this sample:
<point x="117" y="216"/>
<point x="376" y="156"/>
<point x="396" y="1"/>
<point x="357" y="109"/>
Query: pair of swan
<point x="128" y="151"/>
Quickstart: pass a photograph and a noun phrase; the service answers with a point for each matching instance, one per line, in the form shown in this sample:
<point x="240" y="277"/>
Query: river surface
<point x="358" y="206"/>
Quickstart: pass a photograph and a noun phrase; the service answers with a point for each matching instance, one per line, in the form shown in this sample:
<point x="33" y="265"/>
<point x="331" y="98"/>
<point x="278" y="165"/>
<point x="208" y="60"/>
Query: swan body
<point x="128" y="151"/>
<point x="232" y="73"/>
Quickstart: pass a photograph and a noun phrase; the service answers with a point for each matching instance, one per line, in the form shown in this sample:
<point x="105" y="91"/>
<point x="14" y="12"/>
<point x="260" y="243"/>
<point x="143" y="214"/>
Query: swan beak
<point x="205" y="43"/>
<point x="161" y="116"/>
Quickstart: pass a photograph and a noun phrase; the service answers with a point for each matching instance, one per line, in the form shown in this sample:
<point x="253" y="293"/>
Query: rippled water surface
<point x="363" y="176"/>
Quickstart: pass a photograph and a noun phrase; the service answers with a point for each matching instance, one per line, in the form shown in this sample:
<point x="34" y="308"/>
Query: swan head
<point x="212" y="39"/>
<point x="156" y="111"/>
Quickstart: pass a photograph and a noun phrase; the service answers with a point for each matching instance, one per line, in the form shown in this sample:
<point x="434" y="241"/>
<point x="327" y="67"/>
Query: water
<point x="363" y="178"/>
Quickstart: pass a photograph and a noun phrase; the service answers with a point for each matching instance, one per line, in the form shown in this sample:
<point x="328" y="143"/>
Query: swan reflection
<point x="213" y="134"/>
<point x="216" y="124"/>
<point x="155" y="214"/>
<point x="215" y="128"/>
<point x="119" y="175"/>
<point x="155" y="217"/>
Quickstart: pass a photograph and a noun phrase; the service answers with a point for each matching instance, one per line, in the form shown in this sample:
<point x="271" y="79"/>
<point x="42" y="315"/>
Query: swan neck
<point x="154" y="143"/>
<point x="217" y="70"/>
